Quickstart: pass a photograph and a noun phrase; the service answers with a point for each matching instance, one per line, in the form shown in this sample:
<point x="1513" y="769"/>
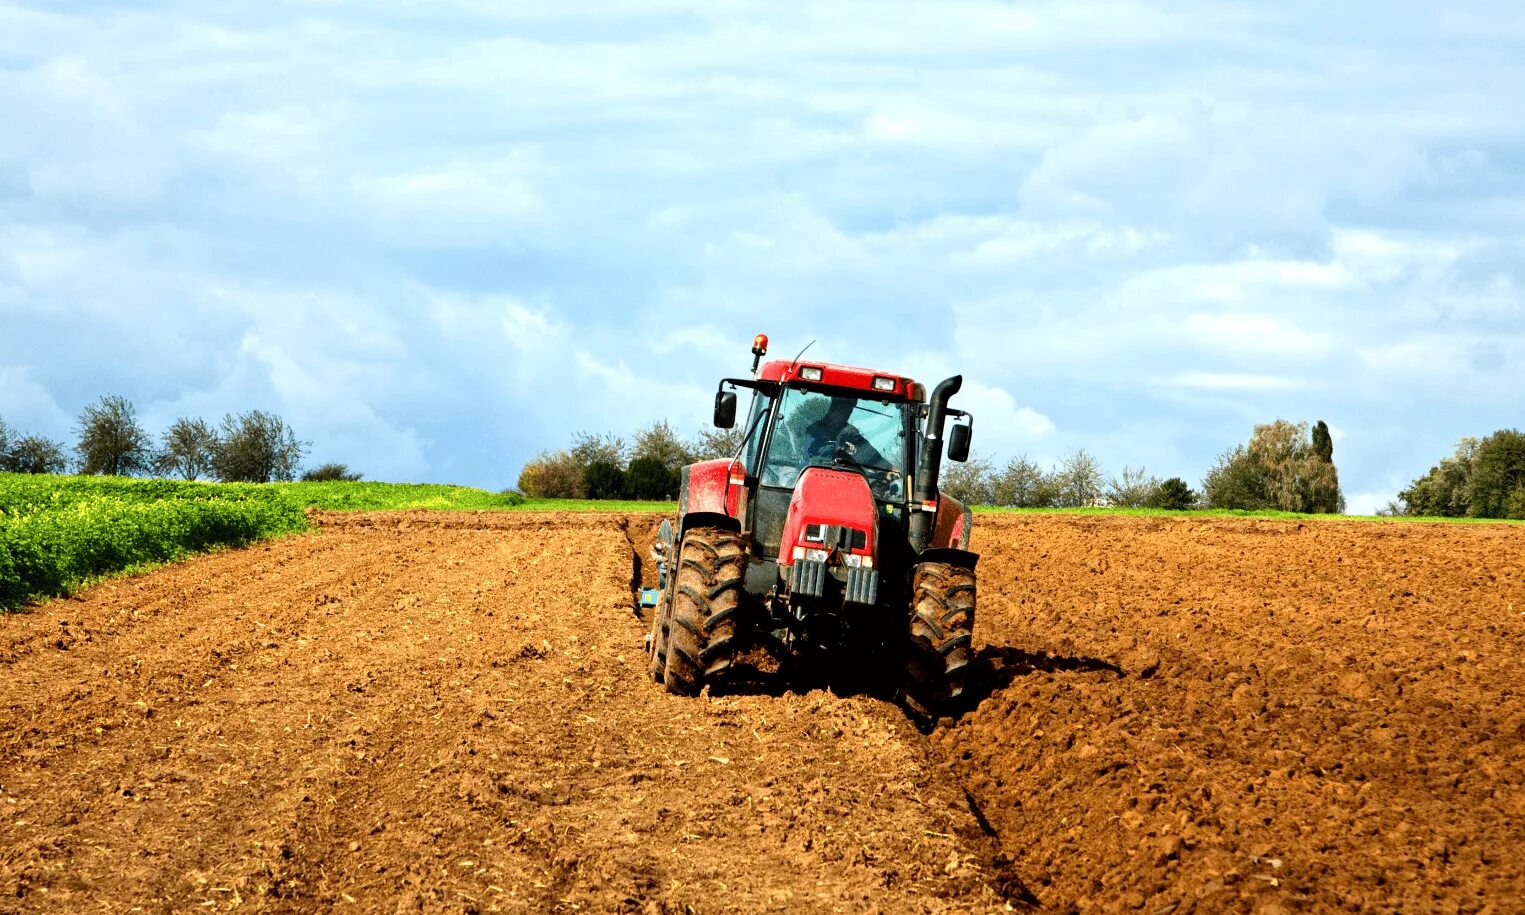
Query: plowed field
<point x="449" y="713"/>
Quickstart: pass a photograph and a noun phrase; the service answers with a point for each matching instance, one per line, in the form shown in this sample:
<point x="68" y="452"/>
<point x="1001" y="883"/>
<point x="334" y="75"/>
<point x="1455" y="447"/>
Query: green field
<point x="1226" y="513"/>
<point x="57" y="533"/>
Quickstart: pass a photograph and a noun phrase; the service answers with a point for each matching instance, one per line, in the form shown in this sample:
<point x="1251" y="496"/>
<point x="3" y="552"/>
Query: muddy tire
<point x="942" y="628"/>
<point x="704" y="626"/>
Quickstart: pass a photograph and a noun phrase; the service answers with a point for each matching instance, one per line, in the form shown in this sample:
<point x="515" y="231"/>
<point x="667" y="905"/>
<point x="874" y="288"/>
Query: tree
<point x="1172" y="494"/>
<point x="658" y="442"/>
<point x="256" y="447"/>
<point x="970" y="482"/>
<point x="1019" y="484"/>
<point x="649" y="478"/>
<point x="589" y="448"/>
<point x="5" y="446"/>
<point x="1278" y="469"/>
<point x="1131" y="489"/>
<point x="1498" y="475"/>
<point x="1323" y="444"/>
<point x="110" y="440"/>
<point x="331" y="473"/>
<point x="1444" y="492"/>
<point x="1079" y="479"/>
<point x="553" y="475"/>
<point x="604" y="480"/>
<point x="35" y="454"/>
<point x="187" y="449"/>
<point x="1236" y="481"/>
<point x="716" y="443"/>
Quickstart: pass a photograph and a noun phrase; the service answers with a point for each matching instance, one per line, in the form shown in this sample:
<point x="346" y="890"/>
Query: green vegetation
<point x="1281" y="468"/>
<point x="604" y="467"/>
<point x="57" y="533"/>
<point x="1222" y="513"/>
<point x="1485" y="478"/>
<point x="346" y="496"/>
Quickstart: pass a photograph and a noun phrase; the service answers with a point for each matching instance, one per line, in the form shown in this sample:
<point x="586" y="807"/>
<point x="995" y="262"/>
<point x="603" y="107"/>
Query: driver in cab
<point x="832" y="437"/>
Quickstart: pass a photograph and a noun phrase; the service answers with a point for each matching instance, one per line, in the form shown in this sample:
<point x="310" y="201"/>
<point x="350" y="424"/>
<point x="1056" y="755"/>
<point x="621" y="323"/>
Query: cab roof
<point x="871" y="381"/>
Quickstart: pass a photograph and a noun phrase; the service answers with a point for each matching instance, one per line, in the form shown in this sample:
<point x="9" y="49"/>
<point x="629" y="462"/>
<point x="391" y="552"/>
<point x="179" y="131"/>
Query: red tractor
<point x="824" y="540"/>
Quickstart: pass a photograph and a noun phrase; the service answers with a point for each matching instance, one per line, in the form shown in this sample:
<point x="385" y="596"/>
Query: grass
<point x="1227" y="513"/>
<point x="59" y="533"/>
<point x="362" y="496"/>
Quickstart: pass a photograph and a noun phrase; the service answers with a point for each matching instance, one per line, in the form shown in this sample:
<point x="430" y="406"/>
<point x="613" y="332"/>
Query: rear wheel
<point x="942" y="630"/>
<point x="704" y="632"/>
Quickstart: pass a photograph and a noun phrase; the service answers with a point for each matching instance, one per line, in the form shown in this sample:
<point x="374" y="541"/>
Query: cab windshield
<point x="815" y="428"/>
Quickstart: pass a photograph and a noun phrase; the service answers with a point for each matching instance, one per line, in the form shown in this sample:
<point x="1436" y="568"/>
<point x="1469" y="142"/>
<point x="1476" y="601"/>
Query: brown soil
<point x="450" y="712"/>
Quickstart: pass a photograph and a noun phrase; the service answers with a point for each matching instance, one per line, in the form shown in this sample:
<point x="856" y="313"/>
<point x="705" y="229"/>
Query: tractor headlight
<point x="813" y="555"/>
<point x="856" y="561"/>
<point x="811" y="373"/>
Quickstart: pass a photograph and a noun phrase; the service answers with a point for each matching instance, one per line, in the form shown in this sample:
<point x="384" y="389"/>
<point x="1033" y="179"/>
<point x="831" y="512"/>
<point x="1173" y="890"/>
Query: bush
<point x="1173" y="495"/>
<point x="1131" y="489"/>
<point x="650" y="479"/>
<point x="553" y="475"/>
<point x="330" y="473"/>
<point x="604" y="480"/>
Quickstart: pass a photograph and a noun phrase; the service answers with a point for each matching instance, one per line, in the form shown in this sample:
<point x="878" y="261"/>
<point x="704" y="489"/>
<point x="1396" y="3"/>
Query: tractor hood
<point x="832" y="517"/>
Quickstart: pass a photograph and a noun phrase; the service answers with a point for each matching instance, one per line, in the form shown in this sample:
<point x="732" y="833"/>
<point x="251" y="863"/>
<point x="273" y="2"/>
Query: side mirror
<point x="725" y="409"/>
<point x="958" y="442"/>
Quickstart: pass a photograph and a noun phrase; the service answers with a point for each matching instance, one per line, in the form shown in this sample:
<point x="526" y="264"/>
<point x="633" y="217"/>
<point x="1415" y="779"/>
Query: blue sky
<point x="440" y="237"/>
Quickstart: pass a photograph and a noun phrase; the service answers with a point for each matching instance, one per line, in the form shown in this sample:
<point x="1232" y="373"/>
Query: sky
<point x="439" y="237"/>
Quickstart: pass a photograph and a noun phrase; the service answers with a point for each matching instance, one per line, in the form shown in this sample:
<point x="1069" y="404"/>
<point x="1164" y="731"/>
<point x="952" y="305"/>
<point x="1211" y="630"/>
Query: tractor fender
<point x="706" y="488"/>
<point x="953" y="524"/>
<point x="692" y="520"/>
<point x="962" y="559"/>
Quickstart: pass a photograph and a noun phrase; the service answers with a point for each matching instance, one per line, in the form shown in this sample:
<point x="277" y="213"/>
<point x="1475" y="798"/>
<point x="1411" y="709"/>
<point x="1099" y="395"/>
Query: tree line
<point x="1484" y="478"/>
<point x="604" y="466"/>
<point x="251" y="447"/>
<point x="1284" y="466"/>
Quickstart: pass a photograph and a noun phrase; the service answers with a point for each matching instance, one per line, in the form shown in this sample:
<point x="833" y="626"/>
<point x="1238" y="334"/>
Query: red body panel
<point x="835" y="497"/>
<point x="841" y="376"/>
<point x="953" y="524"/>
<point x="707" y="487"/>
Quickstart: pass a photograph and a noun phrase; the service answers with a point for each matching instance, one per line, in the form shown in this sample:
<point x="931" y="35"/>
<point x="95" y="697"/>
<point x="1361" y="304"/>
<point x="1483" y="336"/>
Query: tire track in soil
<point x="429" y="712"/>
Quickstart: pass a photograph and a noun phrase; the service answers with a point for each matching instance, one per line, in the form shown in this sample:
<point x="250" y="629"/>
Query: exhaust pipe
<point x="929" y="463"/>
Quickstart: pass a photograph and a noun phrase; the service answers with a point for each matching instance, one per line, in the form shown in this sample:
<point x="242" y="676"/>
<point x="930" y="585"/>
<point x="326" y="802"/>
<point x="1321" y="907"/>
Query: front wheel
<point x="941" y="637"/>
<point x="703" y="619"/>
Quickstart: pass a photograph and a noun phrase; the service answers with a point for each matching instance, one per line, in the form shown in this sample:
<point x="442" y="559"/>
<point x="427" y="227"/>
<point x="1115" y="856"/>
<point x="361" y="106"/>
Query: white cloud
<point x="1234" y="381"/>
<point x="484" y="226"/>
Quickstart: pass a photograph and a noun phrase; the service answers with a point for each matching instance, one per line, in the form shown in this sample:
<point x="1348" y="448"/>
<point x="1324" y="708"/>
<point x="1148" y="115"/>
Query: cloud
<point x="1233" y="381"/>
<point x="439" y="239"/>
